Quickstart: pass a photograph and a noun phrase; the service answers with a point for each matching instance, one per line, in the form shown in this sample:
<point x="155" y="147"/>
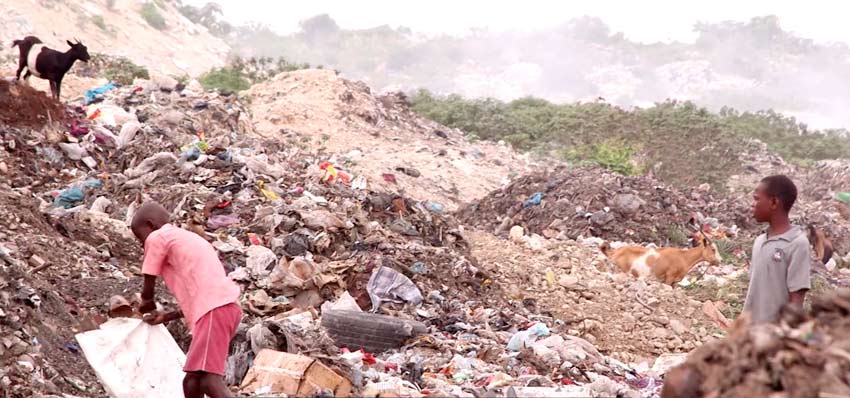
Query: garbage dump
<point x="317" y="258"/>
<point x="355" y="274"/>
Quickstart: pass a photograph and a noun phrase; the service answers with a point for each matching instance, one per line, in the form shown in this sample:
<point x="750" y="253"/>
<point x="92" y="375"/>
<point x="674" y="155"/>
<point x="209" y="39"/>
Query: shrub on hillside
<point x="228" y="79"/>
<point x="679" y="142"/>
<point x="119" y="70"/>
<point x="98" y="21"/>
<point x="241" y="73"/>
<point x="152" y="16"/>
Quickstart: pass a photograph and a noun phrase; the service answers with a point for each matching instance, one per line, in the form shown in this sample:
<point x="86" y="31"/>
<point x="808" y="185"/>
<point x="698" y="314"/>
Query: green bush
<point x="241" y="73"/>
<point x="614" y="156"/>
<point x="119" y="70"/>
<point x="227" y="79"/>
<point x="99" y="22"/>
<point x="152" y="16"/>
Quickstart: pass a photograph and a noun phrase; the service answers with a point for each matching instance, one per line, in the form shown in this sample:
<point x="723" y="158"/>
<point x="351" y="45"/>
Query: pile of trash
<point x="804" y="356"/>
<point x="570" y="203"/>
<point x="369" y="290"/>
<point x="380" y="138"/>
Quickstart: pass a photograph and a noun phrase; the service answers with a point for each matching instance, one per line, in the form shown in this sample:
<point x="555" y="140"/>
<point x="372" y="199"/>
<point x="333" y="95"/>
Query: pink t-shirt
<point x="191" y="270"/>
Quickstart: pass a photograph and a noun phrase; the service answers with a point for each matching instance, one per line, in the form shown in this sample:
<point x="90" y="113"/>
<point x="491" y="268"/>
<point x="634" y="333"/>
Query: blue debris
<point x="419" y="268"/>
<point x="92" y="94"/>
<point x="534" y="200"/>
<point x="190" y="155"/>
<point x="435" y="207"/>
<point x="72" y="196"/>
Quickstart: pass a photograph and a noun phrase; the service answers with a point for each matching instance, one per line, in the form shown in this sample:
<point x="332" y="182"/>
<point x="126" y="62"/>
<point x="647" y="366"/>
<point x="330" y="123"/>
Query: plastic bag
<point x="134" y="360"/>
<point x="128" y="132"/>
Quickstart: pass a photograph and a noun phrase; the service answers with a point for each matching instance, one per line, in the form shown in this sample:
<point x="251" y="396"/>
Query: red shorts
<point x="211" y="337"/>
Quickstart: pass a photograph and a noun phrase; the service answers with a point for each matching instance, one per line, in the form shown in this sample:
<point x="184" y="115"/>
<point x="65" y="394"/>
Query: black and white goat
<point x="47" y="63"/>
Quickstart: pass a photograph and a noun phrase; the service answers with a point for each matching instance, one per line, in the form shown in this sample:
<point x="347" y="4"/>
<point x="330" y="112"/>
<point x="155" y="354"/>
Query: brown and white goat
<point x="821" y="244"/>
<point x="668" y="265"/>
<point x="46" y="63"/>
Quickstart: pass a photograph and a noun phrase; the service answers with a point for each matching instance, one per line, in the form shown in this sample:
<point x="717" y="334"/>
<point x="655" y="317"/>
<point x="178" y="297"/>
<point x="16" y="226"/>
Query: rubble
<point x="804" y="356"/>
<point x="573" y="203"/>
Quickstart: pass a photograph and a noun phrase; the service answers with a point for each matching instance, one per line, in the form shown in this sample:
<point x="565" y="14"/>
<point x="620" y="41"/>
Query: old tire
<point x="372" y="332"/>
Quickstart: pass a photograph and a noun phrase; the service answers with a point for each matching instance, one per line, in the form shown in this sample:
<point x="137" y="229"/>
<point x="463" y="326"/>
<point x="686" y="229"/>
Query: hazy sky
<point x="646" y="21"/>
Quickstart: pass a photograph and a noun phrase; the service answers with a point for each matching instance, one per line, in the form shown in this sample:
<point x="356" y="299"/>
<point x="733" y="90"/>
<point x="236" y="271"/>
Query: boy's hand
<point x="155" y="317"/>
<point x="147" y="306"/>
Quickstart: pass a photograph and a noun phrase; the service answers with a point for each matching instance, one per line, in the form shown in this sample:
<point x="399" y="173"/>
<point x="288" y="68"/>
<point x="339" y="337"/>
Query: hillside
<point x="117" y="28"/>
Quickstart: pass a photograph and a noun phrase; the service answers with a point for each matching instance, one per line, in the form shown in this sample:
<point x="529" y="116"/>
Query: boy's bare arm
<point x="148" y="303"/>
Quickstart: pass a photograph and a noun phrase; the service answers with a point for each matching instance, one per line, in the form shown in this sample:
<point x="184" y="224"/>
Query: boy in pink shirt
<point x="208" y="299"/>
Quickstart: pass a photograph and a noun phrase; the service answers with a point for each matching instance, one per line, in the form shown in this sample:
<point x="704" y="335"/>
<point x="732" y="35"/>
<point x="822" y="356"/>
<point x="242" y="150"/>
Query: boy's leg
<point x="208" y="351"/>
<point x="192" y="385"/>
<point x="213" y="386"/>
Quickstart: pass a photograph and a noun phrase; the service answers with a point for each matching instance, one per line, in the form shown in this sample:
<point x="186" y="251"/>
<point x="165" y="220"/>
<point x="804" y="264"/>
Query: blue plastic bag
<point x="534" y="200"/>
<point x="72" y="196"/>
<point x="91" y="94"/>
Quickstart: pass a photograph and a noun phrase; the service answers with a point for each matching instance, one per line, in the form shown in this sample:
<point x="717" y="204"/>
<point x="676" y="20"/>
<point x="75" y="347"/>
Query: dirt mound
<point x="21" y="105"/>
<point x="805" y="356"/>
<point x="380" y="138"/>
<point x="574" y="283"/>
<point x="590" y="201"/>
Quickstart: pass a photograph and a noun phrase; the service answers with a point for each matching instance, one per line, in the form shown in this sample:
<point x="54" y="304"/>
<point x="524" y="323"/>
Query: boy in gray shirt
<point x="781" y="262"/>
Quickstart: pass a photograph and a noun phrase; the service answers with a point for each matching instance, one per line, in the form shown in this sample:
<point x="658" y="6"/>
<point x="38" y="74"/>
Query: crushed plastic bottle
<point x="525" y="338"/>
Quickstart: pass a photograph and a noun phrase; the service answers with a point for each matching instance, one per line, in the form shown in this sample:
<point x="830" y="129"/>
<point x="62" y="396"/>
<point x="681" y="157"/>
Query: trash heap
<point x="804" y="356"/>
<point x="380" y="138"/>
<point x="356" y="288"/>
<point x="824" y="191"/>
<point x="569" y="203"/>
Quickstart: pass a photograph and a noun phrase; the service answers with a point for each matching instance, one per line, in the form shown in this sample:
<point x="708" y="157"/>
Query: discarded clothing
<point x="387" y="284"/>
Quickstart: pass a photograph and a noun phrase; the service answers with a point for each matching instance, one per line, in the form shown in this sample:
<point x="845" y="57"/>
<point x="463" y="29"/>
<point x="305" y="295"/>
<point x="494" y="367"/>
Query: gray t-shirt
<point x="780" y="264"/>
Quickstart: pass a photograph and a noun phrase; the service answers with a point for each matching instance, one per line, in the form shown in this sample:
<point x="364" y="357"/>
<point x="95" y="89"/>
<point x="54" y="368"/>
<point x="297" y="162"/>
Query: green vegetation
<point x="241" y="73"/>
<point x="616" y="156"/>
<point x="679" y="142"/>
<point x="119" y="70"/>
<point x="99" y="22"/>
<point x="227" y="79"/>
<point x="152" y="16"/>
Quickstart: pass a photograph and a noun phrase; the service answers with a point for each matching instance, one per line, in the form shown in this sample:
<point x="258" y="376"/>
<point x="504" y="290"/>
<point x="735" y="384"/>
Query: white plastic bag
<point x="134" y="360"/>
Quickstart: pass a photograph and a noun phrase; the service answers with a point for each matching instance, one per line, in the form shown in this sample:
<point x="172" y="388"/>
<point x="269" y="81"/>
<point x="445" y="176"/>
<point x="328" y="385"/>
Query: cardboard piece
<point x="291" y="374"/>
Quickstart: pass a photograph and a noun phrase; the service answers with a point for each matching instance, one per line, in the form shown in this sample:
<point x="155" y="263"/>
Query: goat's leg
<point x="52" y="89"/>
<point x="59" y="90"/>
<point x="21" y="65"/>
<point x="27" y="77"/>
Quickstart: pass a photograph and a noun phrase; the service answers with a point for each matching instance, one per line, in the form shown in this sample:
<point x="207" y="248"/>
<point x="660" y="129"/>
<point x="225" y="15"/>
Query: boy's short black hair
<point x="780" y="186"/>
